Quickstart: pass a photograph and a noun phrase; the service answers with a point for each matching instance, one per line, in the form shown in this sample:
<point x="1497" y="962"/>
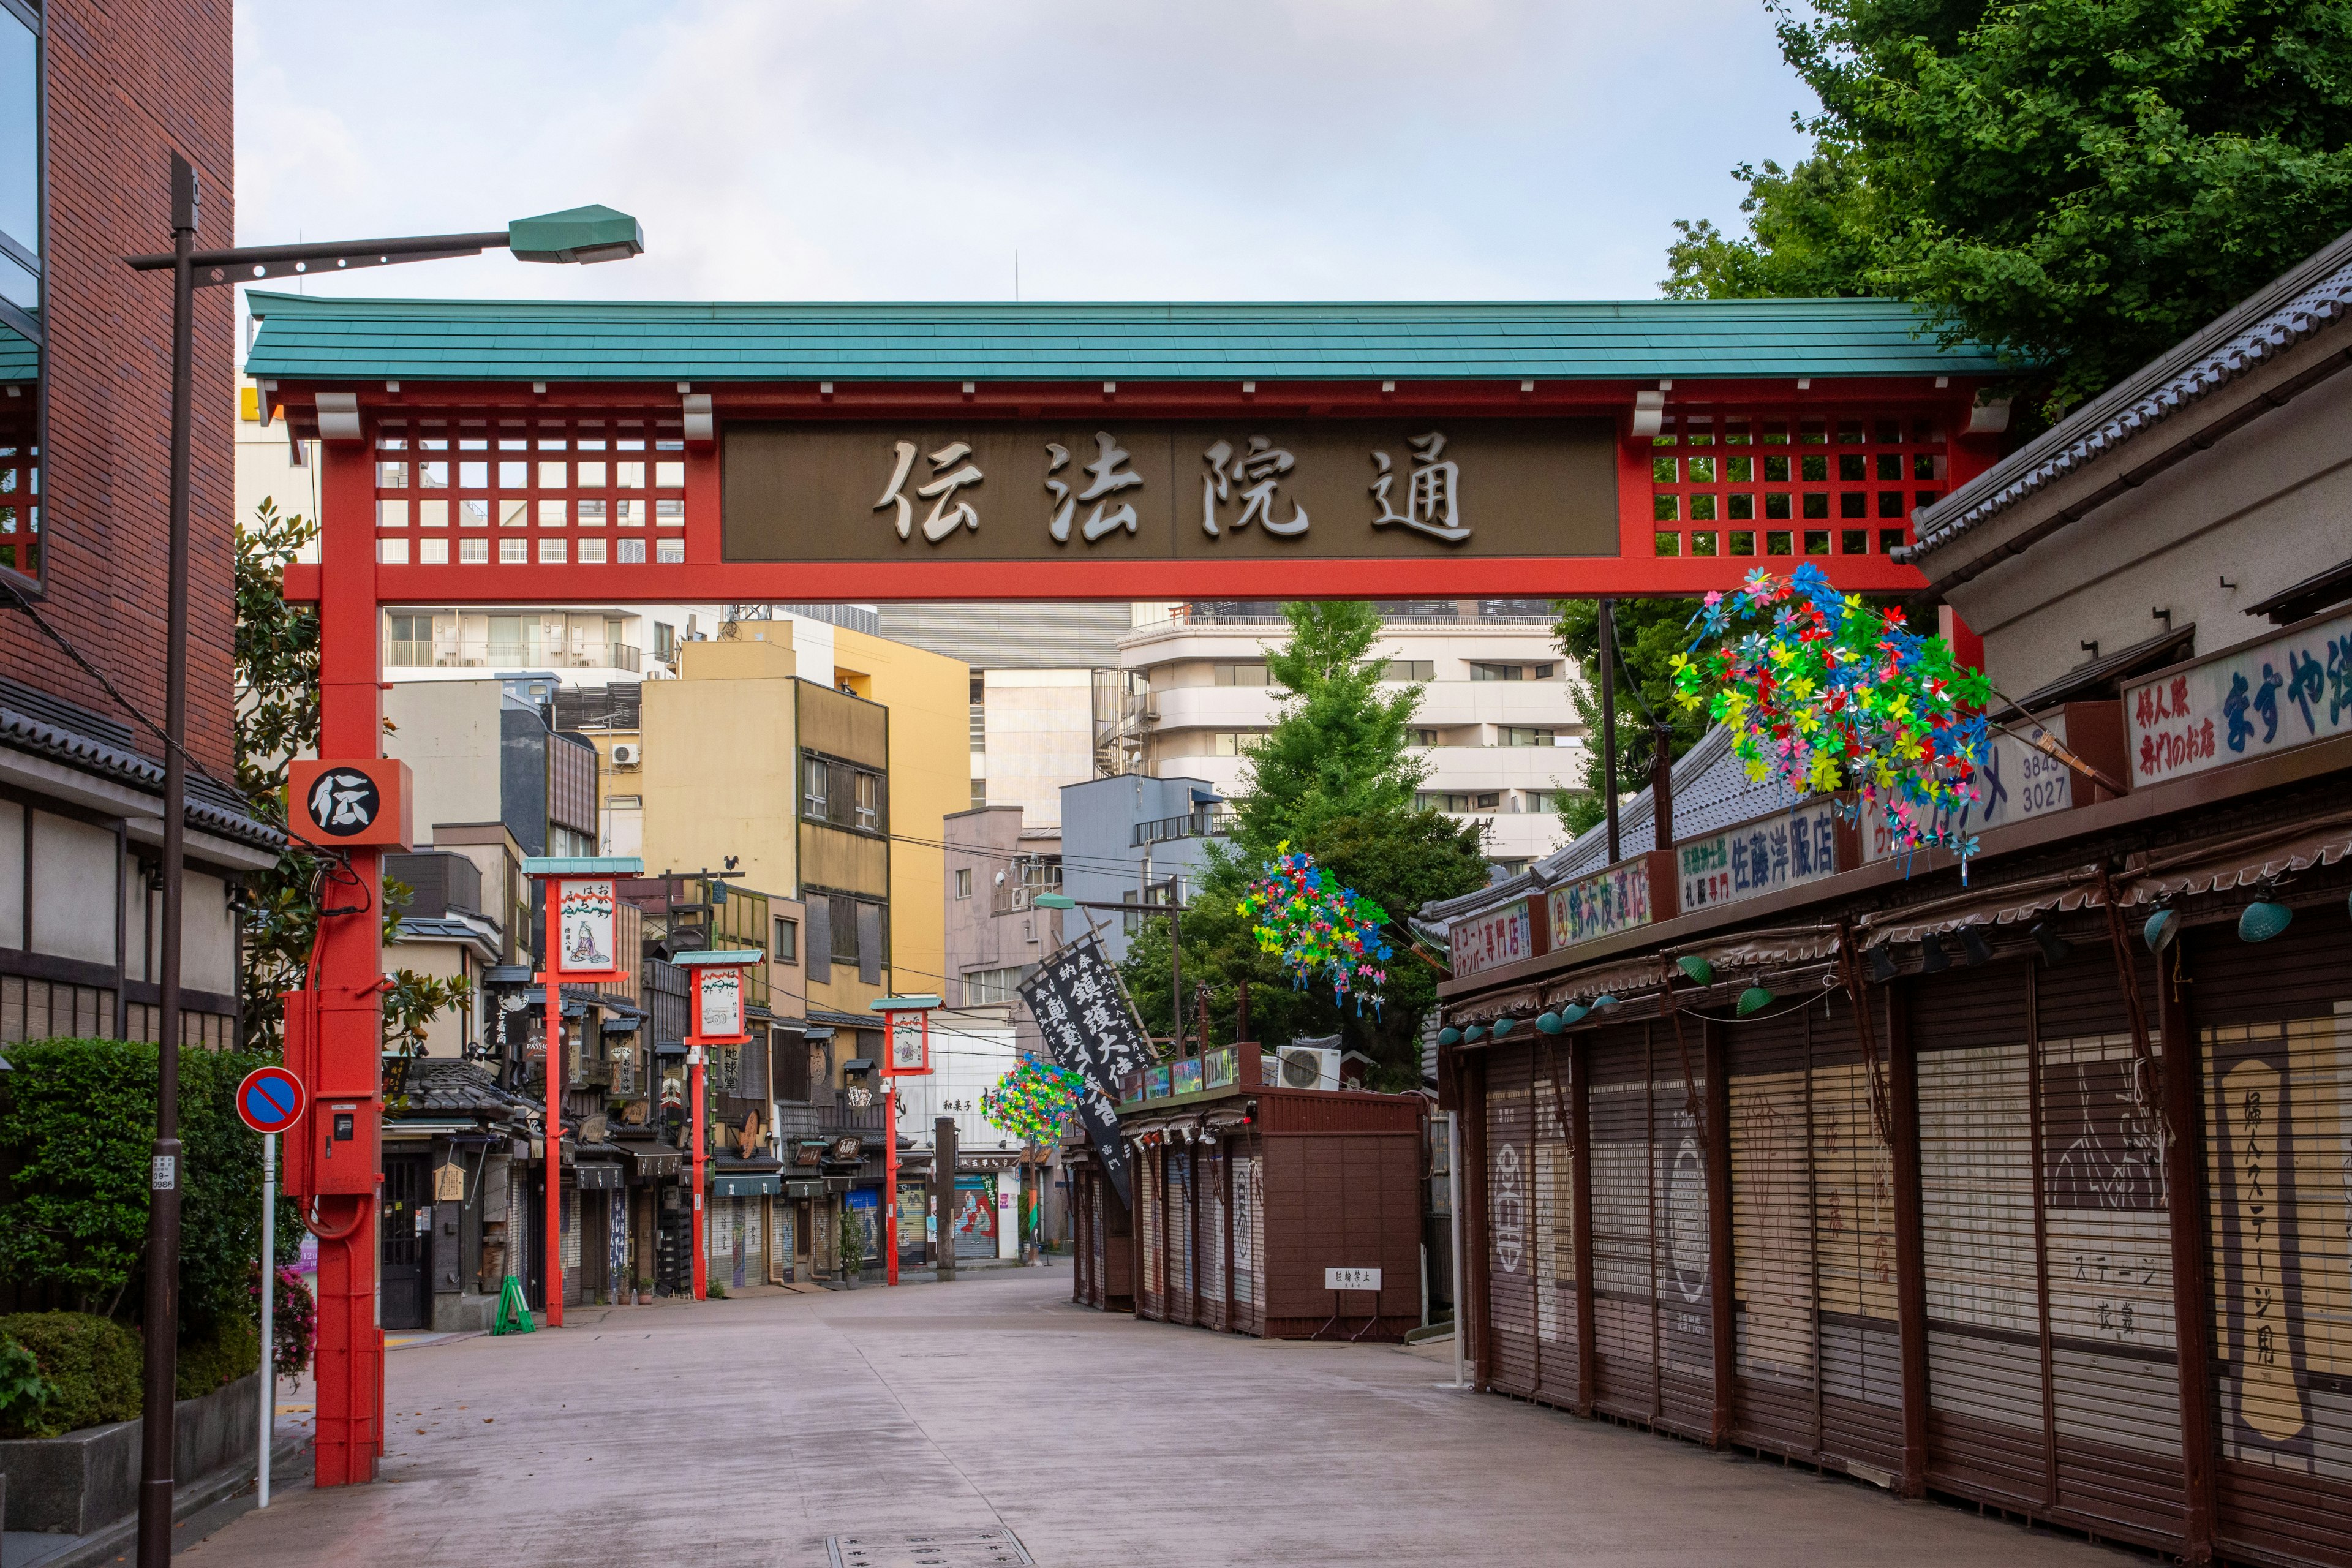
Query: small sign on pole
<point x="270" y="1100"/>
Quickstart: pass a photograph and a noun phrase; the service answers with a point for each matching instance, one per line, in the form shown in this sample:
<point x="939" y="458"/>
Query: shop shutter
<point x="1774" y="1392"/>
<point x="1248" y="1201"/>
<point x="2273" y="1024"/>
<point x="568" y="1241"/>
<point x="2107" y="1269"/>
<point x="1510" y="1289"/>
<point x="1854" y="1246"/>
<point x="1986" y="1407"/>
<point x="1097" y="1285"/>
<point x="1624" y="1324"/>
<point x="1209" y="1205"/>
<point x="1553" y="1229"/>
<point x="1683" y="1278"/>
<point x="1179" y="1171"/>
<point x="1145" y="1174"/>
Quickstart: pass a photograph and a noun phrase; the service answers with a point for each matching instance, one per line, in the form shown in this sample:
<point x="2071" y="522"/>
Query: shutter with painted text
<point x="1624" y="1320"/>
<point x="1775" y="1399"/>
<point x="1510" y="1263"/>
<point x="1552" y="1236"/>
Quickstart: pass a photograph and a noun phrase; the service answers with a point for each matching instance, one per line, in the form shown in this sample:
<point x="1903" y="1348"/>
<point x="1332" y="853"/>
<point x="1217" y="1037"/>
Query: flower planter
<point x="85" y="1480"/>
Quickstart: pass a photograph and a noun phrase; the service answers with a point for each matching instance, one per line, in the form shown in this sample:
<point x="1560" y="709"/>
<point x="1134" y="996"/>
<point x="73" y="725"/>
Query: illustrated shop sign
<point x="1222" y="490"/>
<point x="1492" y="938"/>
<point x="1764" y="857"/>
<point x="2017" y="781"/>
<point x="2289" y="691"/>
<point x="1602" y="904"/>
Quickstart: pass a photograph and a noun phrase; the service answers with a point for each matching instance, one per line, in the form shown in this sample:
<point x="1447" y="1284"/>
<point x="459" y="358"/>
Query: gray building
<point x="1137" y="840"/>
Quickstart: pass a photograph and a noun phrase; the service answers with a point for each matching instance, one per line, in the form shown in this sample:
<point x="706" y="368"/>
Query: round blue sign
<point x="270" y="1099"/>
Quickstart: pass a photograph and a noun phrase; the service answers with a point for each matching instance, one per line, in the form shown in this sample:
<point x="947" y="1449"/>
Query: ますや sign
<point x="2290" y="691"/>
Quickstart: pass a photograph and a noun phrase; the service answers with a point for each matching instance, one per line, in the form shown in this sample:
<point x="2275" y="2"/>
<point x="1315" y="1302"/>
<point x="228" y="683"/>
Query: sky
<point x="853" y="150"/>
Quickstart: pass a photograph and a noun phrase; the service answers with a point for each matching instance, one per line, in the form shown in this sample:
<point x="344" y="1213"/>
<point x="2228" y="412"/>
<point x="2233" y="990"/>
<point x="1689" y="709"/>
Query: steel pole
<point x="160" y="1321"/>
<point x="554" y="1142"/>
<point x="889" y="1226"/>
<point x="269" y="1307"/>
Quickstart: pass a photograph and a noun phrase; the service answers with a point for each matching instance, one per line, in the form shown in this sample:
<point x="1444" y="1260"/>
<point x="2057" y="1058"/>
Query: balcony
<point x="1208" y="822"/>
<point x="1024" y="880"/>
<point x="511" y="653"/>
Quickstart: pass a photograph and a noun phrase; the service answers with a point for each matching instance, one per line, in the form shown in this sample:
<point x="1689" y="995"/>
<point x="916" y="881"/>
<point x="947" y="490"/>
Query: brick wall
<point x="129" y="84"/>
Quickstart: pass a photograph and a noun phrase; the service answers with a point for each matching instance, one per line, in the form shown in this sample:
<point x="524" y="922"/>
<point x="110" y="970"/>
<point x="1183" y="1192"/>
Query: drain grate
<point x="996" y="1548"/>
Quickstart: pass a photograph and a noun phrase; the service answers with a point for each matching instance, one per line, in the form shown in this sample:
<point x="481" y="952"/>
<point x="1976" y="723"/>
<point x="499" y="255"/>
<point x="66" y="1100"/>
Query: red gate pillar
<point x="350" y="961"/>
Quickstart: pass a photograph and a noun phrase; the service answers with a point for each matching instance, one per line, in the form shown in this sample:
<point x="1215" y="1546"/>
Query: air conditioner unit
<point x="627" y="753"/>
<point x="1307" y="1066"/>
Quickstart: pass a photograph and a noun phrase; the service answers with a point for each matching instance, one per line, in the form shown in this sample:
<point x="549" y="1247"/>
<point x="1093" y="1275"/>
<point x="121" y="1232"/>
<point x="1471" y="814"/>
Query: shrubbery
<point x="90" y="1363"/>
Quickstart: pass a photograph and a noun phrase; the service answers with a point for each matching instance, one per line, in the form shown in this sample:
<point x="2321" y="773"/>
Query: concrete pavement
<point x="751" y="1430"/>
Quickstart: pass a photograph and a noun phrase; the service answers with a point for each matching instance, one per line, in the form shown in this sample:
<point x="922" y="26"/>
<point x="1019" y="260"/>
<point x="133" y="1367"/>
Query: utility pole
<point x="1609" y="726"/>
<point x="943" y="1192"/>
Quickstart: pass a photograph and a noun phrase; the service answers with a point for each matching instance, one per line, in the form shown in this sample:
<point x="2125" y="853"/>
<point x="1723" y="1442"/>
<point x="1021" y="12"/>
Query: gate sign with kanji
<point x="716" y="995"/>
<point x="271" y="1100"/>
<point x="341" y="804"/>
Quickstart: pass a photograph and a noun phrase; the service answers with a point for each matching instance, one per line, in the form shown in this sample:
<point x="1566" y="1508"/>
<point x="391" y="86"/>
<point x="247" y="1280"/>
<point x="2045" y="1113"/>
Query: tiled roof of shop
<point x="209" y="808"/>
<point x="443" y="1085"/>
<point x="312" y="337"/>
<point x="2293" y="309"/>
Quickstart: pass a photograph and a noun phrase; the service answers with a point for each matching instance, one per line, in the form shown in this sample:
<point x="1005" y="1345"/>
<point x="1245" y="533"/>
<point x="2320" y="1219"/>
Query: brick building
<point x="93" y="103"/>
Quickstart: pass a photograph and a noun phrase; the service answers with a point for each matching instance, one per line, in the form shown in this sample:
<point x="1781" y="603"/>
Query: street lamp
<point x="581" y="234"/>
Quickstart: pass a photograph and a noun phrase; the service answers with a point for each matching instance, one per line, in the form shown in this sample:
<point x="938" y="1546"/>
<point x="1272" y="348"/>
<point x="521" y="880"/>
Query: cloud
<point x="1322" y="149"/>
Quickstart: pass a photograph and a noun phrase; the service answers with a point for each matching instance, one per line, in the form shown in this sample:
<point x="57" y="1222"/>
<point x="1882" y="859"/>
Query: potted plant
<point x="852" y="1248"/>
<point x="644" y="1292"/>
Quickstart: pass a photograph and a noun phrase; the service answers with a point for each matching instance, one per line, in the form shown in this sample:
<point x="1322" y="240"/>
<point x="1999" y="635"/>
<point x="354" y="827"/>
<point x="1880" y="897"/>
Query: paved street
<point x="748" y="1431"/>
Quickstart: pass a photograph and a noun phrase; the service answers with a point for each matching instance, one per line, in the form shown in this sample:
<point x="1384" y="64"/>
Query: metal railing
<point x="534" y="653"/>
<point x="1208" y="822"/>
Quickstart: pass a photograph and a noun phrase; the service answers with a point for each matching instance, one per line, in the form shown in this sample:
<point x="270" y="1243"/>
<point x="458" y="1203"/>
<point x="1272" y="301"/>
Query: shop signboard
<point x="2285" y="691"/>
<point x="1783" y="850"/>
<point x="1492" y="938"/>
<point x="1608" y="901"/>
<point x="2018" y="781"/>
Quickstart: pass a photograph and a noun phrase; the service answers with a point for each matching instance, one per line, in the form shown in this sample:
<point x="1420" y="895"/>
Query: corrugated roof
<point x="19" y="359"/>
<point x="2312" y="296"/>
<point x="314" y="338"/>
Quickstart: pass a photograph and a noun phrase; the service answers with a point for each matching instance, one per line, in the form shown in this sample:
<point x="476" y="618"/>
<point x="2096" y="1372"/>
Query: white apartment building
<point x="1497" y="722"/>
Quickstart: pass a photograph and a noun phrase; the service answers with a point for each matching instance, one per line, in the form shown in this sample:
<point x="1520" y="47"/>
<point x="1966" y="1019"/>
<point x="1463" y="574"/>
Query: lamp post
<point x="899" y="1060"/>
<point x="581" y="234"/>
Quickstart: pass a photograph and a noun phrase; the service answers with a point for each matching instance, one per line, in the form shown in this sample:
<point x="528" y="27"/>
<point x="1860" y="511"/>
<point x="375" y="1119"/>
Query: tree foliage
<point x="2080" y="183"/>
<point x="1333" y="778"/>
<point x="277" y="720"/>
<point x="1648" y="633"/>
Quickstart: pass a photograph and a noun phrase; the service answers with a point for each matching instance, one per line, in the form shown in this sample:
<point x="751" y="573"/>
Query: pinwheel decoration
<point x="1833" y="694"/>
<point x="1300" y="912"/>
<point x="1035" y="1102"/>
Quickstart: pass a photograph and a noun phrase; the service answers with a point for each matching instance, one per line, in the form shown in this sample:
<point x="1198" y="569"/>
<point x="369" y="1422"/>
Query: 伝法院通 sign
<point x="2286" y="691"/>
<point x="1210" y="491"/>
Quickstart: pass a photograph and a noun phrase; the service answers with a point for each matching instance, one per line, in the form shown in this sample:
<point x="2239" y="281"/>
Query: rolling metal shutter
<point x="1553" y="1232"/>
<point x="1098" y="1289"/>
<point x="1249" y="1240"/>
<point x="2113" y="1364"/>
<point x="1145" y="1174"/>
<point x="1209" y="1205"/>
<point x="1775" y="1395"/>
<point x="1854" y="1247"/>
<point x="1510" y="1292"/>
<point x="1681" y="1249"/>
<point x="2274" y="1026"/>
<point x="1986" y="1407"/>
<point x="1624" y="1259"/>
<point x="1179" y="1170"/>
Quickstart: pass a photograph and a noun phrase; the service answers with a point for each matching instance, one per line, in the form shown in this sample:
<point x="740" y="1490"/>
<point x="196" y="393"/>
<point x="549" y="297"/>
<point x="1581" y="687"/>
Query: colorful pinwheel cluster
<point x="1301" y="913"/>
<point x="1035" y="1102"/>
<point x="1836" y="696"/>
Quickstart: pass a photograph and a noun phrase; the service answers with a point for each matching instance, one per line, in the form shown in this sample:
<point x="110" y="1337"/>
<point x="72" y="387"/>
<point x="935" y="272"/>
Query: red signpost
<point x="717" y="1018"/>
<point x="333" y="1031"/>
<point x="905" y="1054"/>
<point x="582" y="925"/>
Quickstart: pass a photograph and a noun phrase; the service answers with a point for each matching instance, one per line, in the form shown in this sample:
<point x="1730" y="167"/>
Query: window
<point x="1413" y="670"/>
<point x="986" y="987"/>
<point x="786" y="946"/>
<point x="624" y="802"/>
<point x="963" y="883"/>
<point x="1231" y="742"/>
<point x="1461" y="802"/>
<point x="1426" y="738"/>
<point x="979" y="713"/>
<point x="979" y="792"/>
<point x="665" y="641"/>
<point x="869" y="801"/>
<point x="1240" y="672"/>
<point x="1543" y="800"/>
<point x="1524" y="735"/>
<point x="410" y="641"/>
<point x="814" y="775"/>
<point x="1499" y="672"/>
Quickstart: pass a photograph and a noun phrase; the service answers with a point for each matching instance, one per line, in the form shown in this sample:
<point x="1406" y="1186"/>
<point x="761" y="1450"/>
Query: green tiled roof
<point x="310" y="338"/>
<point x="19" y="360"/>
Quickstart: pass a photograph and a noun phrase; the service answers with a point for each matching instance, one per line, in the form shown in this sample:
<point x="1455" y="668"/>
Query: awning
<point x="812" y="1189"/>
<point x="744" y="1186"/>
<point x="2243" y="861"/>
<point x="625" y="1024"/>
<point x="648" y="1162"/>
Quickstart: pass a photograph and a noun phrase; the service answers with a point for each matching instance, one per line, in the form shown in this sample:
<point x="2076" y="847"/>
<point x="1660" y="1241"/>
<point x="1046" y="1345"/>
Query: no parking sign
<point x="270" y="1099"/>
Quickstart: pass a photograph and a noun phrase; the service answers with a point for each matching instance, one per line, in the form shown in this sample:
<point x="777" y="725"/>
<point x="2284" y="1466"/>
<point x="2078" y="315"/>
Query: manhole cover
<point x="997" y="1548"/>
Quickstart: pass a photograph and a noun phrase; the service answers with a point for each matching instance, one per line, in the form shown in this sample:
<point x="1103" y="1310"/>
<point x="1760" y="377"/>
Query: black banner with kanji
<point x="1076" y="998"/>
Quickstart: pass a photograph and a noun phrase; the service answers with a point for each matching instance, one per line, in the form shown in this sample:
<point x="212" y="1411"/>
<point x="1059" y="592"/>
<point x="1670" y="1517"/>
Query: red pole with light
<point x="583" y="935"/>
<point x="903" y="1055"/>
<point x="715" y="1017"/>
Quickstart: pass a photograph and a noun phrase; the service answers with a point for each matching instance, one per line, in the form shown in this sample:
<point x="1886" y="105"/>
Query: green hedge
<point x="90" y="1363"/>
<point x="76" y="1125"/>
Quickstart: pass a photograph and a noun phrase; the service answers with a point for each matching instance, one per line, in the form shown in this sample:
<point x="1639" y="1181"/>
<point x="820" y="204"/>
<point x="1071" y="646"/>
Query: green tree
<point x="2080" y="183"/>
<point x="1334" y="778"/>
<point x="277" y="719"/>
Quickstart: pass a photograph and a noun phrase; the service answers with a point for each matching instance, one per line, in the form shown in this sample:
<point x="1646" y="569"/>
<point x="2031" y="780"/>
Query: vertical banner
<point x="587" y="927"/>
<point x="1075" y="999"/>
<point x="718" y="1001"/>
